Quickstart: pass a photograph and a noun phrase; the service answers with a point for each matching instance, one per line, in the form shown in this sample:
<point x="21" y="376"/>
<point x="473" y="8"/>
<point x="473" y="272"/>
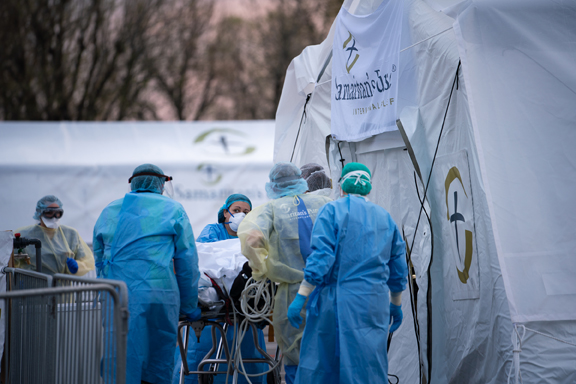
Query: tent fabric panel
<point x="465" y="333"/>
<point x="522" y="96"/>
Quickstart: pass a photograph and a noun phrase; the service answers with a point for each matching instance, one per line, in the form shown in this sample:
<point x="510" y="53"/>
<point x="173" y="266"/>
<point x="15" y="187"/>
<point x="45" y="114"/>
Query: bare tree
<point x="74" y="60"/>
<point x="250" y="56"/>
<point x="180" y="61"/>
<point x="130" y="59"/>
<point x="286" y="31"/>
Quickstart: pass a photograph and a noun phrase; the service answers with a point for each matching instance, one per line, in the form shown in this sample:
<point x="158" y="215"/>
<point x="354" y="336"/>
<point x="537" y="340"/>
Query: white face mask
<point x="51" y="223"/>
<point x="235" y="221"/>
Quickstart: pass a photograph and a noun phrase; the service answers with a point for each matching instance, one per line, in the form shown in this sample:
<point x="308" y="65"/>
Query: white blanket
<point x="223" y="262"/>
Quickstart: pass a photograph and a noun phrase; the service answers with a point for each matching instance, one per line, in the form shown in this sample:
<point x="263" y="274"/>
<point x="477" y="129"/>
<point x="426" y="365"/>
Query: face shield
<point x="168" y="188"/>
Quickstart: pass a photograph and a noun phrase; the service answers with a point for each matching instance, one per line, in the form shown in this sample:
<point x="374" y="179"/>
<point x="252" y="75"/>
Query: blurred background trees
<point x="152" y="59"/>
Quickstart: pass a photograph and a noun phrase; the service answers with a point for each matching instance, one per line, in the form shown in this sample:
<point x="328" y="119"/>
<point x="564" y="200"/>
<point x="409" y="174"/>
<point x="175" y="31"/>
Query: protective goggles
<point x="168" y="178"/>
<point x="53" y="212"/>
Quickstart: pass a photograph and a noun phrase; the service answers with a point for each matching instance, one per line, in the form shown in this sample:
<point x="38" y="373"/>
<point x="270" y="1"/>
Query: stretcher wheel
<point x="274" y="377"/>
<point x="205" y="379"/>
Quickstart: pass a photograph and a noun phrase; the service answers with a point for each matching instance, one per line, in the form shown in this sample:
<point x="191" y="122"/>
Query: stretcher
<point x="219" y="316"/>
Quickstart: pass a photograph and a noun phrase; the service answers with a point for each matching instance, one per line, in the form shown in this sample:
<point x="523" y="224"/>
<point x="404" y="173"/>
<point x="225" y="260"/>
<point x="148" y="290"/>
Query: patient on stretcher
<point x="223" y="275"/>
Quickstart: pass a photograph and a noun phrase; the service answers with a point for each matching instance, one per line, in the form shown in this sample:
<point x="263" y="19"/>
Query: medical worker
<point x="275" y="238"/>
<point x="318" y="182"/>
<point x="357" y="261"/>
<point x="63" y="250"/>
<point x="230" y="215"/>
<point x="145" y="239"/>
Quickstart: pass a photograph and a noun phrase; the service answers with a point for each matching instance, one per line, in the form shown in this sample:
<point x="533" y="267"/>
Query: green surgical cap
<point x="354" y="185"/>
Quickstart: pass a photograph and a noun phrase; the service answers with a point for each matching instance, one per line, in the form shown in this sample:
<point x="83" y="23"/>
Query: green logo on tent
<point x="212" y="176"/>
<point x="225" y="141"/>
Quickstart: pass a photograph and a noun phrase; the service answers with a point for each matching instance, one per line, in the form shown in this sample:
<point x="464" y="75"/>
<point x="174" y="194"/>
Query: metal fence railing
<point x="108" y="364"/>
<point x="74" y="332"/>
<point x="18" y="279"/>
<point x="62" y="280"/>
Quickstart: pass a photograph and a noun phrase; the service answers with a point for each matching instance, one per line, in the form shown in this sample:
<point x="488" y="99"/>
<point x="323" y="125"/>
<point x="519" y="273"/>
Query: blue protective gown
<point x="142" y="239"/>
<point x="198" y="350"/>
<point x="214" y="232"/>
<point x="358" y="256"/>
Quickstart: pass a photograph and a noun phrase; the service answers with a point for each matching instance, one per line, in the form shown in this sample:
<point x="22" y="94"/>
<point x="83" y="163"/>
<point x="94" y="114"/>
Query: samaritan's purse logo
<point x="352" y="48"/>
<point x="224" y="142"/>
<point x="456" y="217"/>
<point x="218" y="143"/>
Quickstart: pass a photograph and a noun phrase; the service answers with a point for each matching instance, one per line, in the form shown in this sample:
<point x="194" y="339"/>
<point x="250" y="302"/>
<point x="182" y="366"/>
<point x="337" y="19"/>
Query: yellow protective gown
<point x="270" y="241"/>
<point x="57" y="245"/>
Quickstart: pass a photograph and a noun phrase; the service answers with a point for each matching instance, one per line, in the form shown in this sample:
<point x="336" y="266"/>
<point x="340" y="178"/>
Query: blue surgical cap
<point x="285" y="180"/>
<point x="148" y="183"/>
<point x="43" y="204"/>
<point x="229" y="201"/>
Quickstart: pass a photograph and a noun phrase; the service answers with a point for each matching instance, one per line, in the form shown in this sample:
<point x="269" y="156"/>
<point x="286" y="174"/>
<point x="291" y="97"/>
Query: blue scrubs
<point x="142" y="239"/>
<point x="198" y="350"/>
<point x="358" y="256"/>
<point x="214" y="232"/>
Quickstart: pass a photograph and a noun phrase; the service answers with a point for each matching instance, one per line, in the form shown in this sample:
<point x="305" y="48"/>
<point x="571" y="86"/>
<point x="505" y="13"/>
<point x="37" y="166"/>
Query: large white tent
<point x="87" y="166"/>
<point x="486" y="113"/>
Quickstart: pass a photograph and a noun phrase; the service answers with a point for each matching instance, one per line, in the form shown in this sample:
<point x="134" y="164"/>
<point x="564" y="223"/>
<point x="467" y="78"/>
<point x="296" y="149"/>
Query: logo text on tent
<point x="358" y="90"/>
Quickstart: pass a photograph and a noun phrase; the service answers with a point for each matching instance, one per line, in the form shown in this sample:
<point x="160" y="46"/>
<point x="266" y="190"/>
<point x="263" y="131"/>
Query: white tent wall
<point x="522" y="91"/>
<point x="87" y="166"/>
<point x="526" y="140"/>
<point x="296" y="132"/>
<point x="489" y="141"/>
<point x="470" y="325"/>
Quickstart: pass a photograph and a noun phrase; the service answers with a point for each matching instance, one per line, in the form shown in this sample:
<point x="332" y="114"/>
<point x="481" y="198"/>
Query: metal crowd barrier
<point x="18" y="279"/>
<point x="73" y="331"/>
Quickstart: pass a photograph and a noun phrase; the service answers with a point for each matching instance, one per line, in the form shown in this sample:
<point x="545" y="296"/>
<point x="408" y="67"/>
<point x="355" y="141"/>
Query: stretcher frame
<point x="214" y="320"/>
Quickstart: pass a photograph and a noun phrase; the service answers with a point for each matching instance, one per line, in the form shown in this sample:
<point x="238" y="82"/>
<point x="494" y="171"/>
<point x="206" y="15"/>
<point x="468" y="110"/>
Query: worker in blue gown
<point x="230" y="215"/>
<point x="357" y="261"/>
<point x="145" y="239"/>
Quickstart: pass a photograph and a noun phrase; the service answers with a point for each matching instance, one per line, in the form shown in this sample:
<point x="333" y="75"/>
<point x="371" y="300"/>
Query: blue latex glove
<point x="72" y="265"/>
<point x="395" y="317"/>
<point x="194" y="316"/>
<point x="294" y="310"/>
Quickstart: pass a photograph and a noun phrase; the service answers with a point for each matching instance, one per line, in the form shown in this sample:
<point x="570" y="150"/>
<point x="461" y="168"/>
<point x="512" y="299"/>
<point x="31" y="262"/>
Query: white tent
<point x="87" y="166"/>
<point x="487" y="129"/>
